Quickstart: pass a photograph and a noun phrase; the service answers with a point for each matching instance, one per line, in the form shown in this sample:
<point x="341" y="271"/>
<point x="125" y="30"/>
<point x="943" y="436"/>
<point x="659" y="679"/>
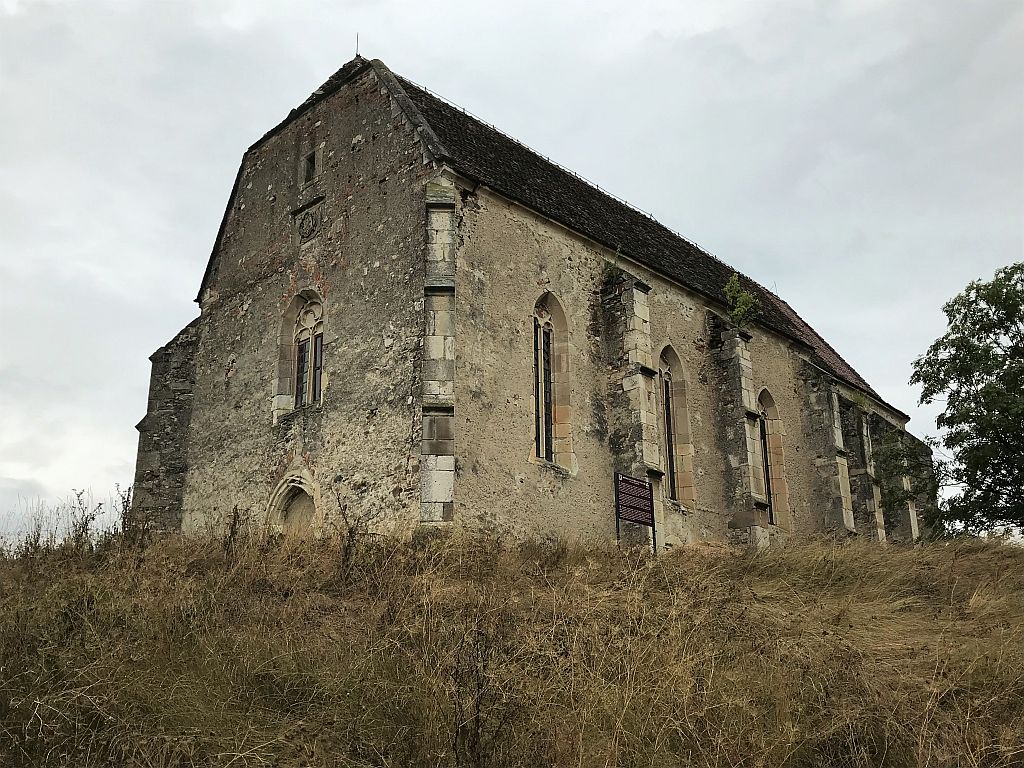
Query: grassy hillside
<point x="477" y="653"/>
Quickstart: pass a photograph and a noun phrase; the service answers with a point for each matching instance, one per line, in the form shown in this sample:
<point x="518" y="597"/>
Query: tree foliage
<point x="902" y="456"/>
<point x="977" y="368"/>
<point x="744" y="307"/>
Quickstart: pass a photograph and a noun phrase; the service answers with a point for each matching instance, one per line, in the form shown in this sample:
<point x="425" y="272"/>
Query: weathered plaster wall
<point x="507" y="257"/>
<point x="429" y="287"/>
<point x="355" y="235"/>
<point x="777" y="368"/>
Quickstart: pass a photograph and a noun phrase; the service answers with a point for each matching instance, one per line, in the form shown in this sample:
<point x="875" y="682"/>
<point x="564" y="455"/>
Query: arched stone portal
<point x="293" y="504"/>
<point x="298" y="514"/>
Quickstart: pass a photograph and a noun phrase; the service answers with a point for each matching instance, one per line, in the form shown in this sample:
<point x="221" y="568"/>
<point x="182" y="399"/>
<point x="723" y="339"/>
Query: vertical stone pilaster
<point x="640" y="383"/>
<point x="915" y="529"/>
<point x="633" y="426"/>
<point x="865" y="493"/>
<point x="440" y="256"/>
<point x="842" y="465"/>
<point x="740" y="434"/>
<point x="437" y="445"/>
<point x="845" y="494"/>
<point x="832" y="489"/>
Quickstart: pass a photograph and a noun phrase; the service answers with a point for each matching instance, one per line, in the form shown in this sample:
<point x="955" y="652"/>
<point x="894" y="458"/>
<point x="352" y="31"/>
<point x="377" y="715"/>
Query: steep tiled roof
<point x="484" y="154"/>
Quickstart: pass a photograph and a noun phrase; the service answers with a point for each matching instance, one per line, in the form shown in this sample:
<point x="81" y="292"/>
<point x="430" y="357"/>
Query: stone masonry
<point x="411" y="321"/>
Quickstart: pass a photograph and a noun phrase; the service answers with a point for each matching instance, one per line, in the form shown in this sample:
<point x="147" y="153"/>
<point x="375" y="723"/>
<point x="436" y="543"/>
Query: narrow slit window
<point x="549" y="450"/>
<point x="538" y="433"/>
<point x="766" y="464"/>
<point x="552" y="422"/>
<point x="301" y="372"/>
<point x="309" y="167"/>
<point x="318" y="366"/>
<point x="677" y="446"/>
<point x="670" y="440"/>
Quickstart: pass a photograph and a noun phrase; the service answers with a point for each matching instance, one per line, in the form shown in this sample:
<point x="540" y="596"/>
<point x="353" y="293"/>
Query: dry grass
<point x="477" y="653"/>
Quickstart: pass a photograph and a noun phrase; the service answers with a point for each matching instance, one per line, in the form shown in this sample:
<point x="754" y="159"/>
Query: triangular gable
<point x="482" y="153"/>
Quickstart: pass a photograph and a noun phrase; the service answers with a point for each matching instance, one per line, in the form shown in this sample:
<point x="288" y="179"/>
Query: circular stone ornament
<point x="309" y="224"/>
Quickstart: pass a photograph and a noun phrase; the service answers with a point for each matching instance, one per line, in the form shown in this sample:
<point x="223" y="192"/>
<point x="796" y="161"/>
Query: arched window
<point x="772" y="464"/>
<point x="675" y="426"/>
<point x="309" y="352"/>
<point x="300" y="359"/>
<point x="552" y="415"/>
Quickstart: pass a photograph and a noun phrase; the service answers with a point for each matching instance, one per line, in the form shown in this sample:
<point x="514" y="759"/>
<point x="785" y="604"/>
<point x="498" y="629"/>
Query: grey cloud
<point x="863" y="159"/>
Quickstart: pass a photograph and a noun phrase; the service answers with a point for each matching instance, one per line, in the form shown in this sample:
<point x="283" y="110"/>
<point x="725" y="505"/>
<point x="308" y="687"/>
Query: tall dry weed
<point x="478" y="652"/>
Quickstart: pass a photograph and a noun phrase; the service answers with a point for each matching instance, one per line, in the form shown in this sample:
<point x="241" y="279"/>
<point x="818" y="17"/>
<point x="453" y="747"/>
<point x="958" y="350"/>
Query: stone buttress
<point x="437" y="447"/>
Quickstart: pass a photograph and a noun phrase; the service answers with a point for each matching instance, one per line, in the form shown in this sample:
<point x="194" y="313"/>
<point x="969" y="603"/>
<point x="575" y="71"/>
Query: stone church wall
<point x="354" y="235"/>
<point x="161" y="467"/>
<point x="434" y="290"/>
<point x="507" y="258"/>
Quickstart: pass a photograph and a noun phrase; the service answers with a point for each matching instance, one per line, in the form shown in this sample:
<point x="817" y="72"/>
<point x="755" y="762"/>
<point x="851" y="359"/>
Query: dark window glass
<point x="309" y="167"/>
<point x="766" y="463"/>
<point x="670" y="441"/>
<point x="538" y="433"/>
<point x="301" y="372"/>
<point x="318" y="365"/>
<point x="549" y="451"/>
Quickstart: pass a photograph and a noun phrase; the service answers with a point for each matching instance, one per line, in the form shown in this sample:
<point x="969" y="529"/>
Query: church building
<point x="410" y="318"/>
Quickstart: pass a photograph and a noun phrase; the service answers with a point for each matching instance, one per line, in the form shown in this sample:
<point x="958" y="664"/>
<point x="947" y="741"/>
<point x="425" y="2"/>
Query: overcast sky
<point x="863" y="159"/>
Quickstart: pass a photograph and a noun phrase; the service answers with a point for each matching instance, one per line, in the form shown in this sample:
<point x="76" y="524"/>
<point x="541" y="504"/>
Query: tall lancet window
<point x="552" y="427"/>
<point x="766" y="464"/>
<point x="774" y="488"/>
<point x="309" y="353"/>
<point x="675" y="428"/>
<point x="543" y="343"/>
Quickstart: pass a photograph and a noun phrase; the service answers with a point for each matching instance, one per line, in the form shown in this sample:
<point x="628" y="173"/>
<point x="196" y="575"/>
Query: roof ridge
<point x="606" y="193"/>
<point x="394" y="86"/>
<point x="485" y="153"/>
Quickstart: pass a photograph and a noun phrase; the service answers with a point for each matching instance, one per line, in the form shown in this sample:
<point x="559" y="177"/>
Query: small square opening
<point x="309" y="168"/>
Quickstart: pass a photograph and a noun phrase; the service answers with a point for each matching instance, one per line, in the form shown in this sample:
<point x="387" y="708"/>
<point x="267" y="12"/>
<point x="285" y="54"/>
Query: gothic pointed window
<point x="543" y="341"/>
<point x="773" y="487"/>
<point x="552" y="424"/>
<point x="766" y="464"/>
<point x="309" y="353"/>
<point x="299" y="371"/>
<point x="677" y="444"/>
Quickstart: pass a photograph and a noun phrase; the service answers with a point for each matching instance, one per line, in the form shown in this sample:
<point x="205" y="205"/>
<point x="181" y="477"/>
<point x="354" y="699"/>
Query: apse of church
<point x="410" y="317"/>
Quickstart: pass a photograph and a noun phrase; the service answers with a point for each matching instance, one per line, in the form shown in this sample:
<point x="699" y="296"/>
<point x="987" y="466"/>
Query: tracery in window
<point x="552" y="427"/>
<point x="300" y="354"/>
<point x="309" y="352"/>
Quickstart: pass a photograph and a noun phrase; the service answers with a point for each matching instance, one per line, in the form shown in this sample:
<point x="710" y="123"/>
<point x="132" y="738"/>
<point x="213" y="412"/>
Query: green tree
<point x="977" y="368"/>
<point x="744" y="308"/>
<point x="901" y="455"/>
